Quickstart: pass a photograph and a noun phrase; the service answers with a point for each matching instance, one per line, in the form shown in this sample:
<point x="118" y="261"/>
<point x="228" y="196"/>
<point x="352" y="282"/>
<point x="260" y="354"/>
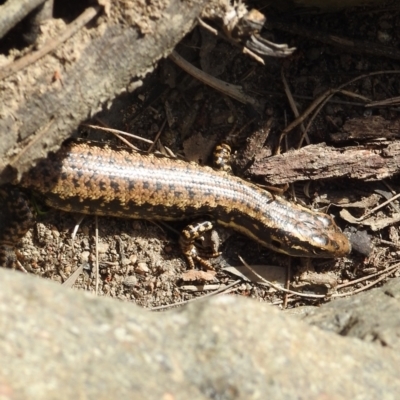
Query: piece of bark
<point x="13" y="11"/>
<point x="102" y="60"/>
<point x="370" y="162"/>
<point x="365" y="128"/>
<point x="253" y="148"/>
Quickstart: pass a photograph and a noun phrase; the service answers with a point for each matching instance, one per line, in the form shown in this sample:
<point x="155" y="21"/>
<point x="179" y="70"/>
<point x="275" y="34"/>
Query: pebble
<point x="130" y="281"/>
<point x="103" y="247"/>
<point x="142" y="268"/>
<point x="85" y="256"/>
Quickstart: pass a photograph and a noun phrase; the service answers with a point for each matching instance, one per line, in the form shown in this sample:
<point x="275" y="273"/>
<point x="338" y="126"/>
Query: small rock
<point x="142" y="268"/>
<point x="125" y="261"/>
<point x="130" y="281"/>
<point x="103" y="247"/>
<point x="85" y="256"/>
<point x="55" y="232"/>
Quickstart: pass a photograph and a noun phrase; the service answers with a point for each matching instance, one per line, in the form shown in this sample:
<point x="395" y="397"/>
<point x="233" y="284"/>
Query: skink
<point x="93" y="178"/>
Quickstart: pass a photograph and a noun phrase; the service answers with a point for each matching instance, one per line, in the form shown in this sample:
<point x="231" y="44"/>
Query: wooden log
<point x="370" y="162"/>
<point x="44" y="103"/>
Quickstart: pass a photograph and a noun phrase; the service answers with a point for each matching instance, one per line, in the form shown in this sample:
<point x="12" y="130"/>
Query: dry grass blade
<point x="386" y="271"/>
<point x="219" y="291"/>
<point x="72" y="278"/>
<point x="157" y="136"/>
<point x="117" y="134"/>
<point x="97" y="255"/>
<point x="280" y="288"/>
<point x="385" y="203"/>
<point x="293" y="106"/>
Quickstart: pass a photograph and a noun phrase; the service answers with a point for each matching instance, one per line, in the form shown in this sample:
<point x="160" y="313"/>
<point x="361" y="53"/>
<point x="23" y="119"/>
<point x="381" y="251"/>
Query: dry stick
<point x="319" y="108"/>
<point x="265" y="282"/>
<point x="157" y="136"/>
<point x="296" y="113"/>
<point x="292" y="104"/>
<point x="207" y="27"/>
<point x="364" y="287"/>
<point x="221" y="290"/>
<point x="303" y="116"/>
<point x="357" y="96"/>
<point x="389" y="243"/>
<point x="97" y="254"/>
<point x="287" y="283"/>
<point x="200" y="288"/>
<point x="323" y="99"/>
<point x="117" y="132"/>
<point x="233" y="91"/>
<point x="71" y="29"/>
<point x="245" y="50"/>
<point x="37" y="138"/>
<point x="393" y="101"/>
<point x="311" y="98"/>
<point x="364" y="278"/>
<point x="385" y="203"/>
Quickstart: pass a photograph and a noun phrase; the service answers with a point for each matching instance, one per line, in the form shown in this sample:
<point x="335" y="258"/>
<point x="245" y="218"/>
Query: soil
<point x="140" y="261"/>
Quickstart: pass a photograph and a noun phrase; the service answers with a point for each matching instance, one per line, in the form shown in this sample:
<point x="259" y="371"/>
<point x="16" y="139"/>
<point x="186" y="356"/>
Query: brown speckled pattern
<point x="95" y="178"/>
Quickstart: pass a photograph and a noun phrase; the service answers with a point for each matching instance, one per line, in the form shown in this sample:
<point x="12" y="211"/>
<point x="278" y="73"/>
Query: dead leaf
<point x="196" y="275"/>
<point x="374" y="223"/>
<point x="198" y="148"/>
<point x="271" y="273"/>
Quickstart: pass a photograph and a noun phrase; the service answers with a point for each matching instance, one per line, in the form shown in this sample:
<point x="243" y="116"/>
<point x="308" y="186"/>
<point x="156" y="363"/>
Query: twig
<point x="303" y="116"/>
<point x="117" y="132"/>
<point x="221" y="290"/>
<point x="393" y="101"/>
<point x="235" y="43"/>
<point x="72" y="28"/>
<point x="293" y="106"/>
<point x="157" y="136"/>
<point x="207" y="27"/>
<point x="287" y="283"/>
<point x="233" y="91"/>
<point x="97" y="254"/>
<point x="264" y="282"/>
<point x="322" y="100"/>
<point x="364" y="278"/>
<point x="363" y="288"/>
<point x="385" y="203"/>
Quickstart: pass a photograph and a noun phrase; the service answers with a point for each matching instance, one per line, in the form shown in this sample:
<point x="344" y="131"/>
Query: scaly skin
<point x="94" y="178"/>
